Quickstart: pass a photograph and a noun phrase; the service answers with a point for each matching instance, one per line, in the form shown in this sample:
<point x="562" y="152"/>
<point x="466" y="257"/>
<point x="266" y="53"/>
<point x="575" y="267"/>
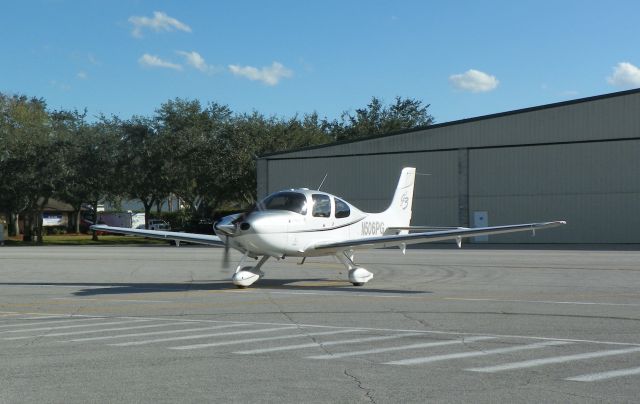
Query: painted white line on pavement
<point x="552" y="360"/>
<point x="320" y="344"/>
<point x="55" y="316"/>
<point x="60" y="334"/>
<point x="375" y="329"/>
<point x="252" y="340"/>
<point x="142" y="334"/>
<point x="37" y="323"/>
<point x="342" y="294"/>
<point x="44" y="285"/>
<point x="544" y="302"/>
<point x="460" y="355"/>
<point x="220" y="334"/>
<point x="400" y="348"/>
<point x="111" y="300"/>
<point x="72" y="326"/>
<point x="594" y="377"/>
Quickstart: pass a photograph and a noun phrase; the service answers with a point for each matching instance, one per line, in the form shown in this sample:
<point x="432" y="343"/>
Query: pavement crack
<point x="367" y="392"/>
<point x="298" y="327"/>
<point x="39" y="337"/>
<point x="408" y="317"/>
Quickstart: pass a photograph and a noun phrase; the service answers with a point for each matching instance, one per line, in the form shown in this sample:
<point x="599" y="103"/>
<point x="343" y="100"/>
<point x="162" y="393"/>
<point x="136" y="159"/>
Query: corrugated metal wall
<point x="594" y="186"/>
<point x="577" y="161"/>
<point x="368" y="182"/>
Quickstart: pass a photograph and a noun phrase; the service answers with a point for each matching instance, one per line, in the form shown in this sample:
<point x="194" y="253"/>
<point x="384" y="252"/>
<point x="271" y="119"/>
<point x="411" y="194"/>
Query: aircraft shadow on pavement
<point x="97" y="289"/>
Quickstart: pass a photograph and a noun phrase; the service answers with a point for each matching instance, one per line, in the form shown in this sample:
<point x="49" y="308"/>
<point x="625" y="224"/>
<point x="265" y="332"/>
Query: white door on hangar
<point x="480" y="219"/>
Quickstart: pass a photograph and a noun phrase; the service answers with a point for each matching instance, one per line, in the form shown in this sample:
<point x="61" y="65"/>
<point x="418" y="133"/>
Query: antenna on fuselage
<point x="325" y="177"/>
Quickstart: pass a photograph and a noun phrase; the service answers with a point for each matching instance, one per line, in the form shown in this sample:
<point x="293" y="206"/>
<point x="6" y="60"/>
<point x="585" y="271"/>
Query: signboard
<point x="54" y="219"/>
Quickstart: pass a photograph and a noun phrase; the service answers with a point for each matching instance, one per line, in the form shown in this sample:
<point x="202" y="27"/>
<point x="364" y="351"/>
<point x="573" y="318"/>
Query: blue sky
<point x="465" y="58"/>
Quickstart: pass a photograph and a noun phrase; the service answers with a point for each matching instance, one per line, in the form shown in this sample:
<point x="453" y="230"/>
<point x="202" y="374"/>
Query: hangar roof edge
<point x="462" y="121"/>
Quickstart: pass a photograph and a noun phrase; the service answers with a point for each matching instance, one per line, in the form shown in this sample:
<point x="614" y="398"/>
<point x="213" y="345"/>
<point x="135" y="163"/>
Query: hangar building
<point x="577" y="161"/>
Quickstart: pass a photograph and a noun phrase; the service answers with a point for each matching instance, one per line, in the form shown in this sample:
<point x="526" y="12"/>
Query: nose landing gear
<point x="247" y="275"/>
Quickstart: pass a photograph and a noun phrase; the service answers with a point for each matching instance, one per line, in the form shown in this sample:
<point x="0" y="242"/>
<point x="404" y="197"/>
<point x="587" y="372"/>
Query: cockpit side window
<point x="291" y="201"/>
<point x="342" y="209"/>
<point x="321" y="205"/>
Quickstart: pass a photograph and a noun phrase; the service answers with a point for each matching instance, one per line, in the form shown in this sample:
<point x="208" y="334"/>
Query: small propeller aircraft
<point x="307" y="223"/>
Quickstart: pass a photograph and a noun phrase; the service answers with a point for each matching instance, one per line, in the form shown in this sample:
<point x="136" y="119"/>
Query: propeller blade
<point x="225" y="256"/>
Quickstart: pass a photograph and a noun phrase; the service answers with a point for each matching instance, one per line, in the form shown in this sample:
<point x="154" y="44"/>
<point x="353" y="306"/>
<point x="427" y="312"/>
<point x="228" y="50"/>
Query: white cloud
<point x="60" y="85"/>
<point x="82" y="75"/>
<point x="154" y="61"/>
<point x="269" y="75"/>
<point x="625" y="75"/>
<point x="159" y="22"/>
<point x="93" y="60"/>
<point x="195" y="60"/>
<point x="474" y="81"/>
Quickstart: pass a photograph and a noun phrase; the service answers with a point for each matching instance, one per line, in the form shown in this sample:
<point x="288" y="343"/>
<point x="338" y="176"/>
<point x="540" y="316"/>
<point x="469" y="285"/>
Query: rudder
<point x="398" y="214"/>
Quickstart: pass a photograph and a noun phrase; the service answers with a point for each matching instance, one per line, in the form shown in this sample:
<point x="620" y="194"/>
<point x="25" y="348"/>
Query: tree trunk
<point x="147" y="213"/>
<point x="39" y="227"/>
<point x="94" y="236"/>
<point x="39" y="220"/>
<point x="78" y="217"/>
<point x="27" y="229"/>
<point x="15" y="231"/>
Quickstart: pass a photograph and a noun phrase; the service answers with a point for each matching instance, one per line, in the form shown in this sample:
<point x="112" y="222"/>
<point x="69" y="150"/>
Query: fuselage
<point x="291" y="222"/>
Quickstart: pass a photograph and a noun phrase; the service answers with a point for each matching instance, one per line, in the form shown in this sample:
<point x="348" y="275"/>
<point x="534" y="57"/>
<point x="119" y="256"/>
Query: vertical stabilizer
<point x="398" y="214"/>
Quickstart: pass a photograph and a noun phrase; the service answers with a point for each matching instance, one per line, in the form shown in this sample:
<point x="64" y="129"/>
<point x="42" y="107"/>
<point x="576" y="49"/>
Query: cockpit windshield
<point x="291" y="201"/>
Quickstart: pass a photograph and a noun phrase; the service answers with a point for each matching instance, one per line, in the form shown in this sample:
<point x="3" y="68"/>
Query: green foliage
<point x="176" y="220"/>
<point x="31" y="158"/>
<point x="90" y="160"/>
<point x="377" y="119"/>
<point x="204" y="154"/>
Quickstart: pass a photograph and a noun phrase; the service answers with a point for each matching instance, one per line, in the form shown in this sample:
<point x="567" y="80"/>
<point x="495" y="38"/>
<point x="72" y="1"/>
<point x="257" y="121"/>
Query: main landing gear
<point x="245" y="276"/>
<point x="357" y="275"/>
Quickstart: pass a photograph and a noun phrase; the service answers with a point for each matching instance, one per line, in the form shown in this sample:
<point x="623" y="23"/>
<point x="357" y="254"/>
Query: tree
<point x="251" y="135"/>
<point x="91" y="159"/>
<point x="31" y="161"/>
<point x="377" y="119"/>
<point x="206" y="155"/>
<point x="143" y="166"/>
<point x="194" y="161"/>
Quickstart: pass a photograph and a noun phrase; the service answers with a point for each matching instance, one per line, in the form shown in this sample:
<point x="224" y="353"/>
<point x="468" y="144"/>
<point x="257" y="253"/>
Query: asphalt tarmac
<point x="165" y="324"/>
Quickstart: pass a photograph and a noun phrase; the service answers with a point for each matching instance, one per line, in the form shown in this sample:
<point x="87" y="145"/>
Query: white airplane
<point x="306" y="223"/>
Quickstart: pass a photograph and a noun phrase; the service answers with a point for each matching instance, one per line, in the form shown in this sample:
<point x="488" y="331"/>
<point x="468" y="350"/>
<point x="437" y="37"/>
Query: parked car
<point x="199" y="226"/>
<point x="158" y="224"/>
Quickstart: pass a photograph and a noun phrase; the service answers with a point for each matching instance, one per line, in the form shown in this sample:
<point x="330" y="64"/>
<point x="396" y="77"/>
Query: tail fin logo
<point x="404" y="201"/>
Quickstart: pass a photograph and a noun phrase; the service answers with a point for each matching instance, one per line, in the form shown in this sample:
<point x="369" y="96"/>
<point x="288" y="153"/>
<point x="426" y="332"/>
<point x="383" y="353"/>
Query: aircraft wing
<point x="416" y="229"/>
<point x="163" y="235"/>
<point x="429" y="236"/>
